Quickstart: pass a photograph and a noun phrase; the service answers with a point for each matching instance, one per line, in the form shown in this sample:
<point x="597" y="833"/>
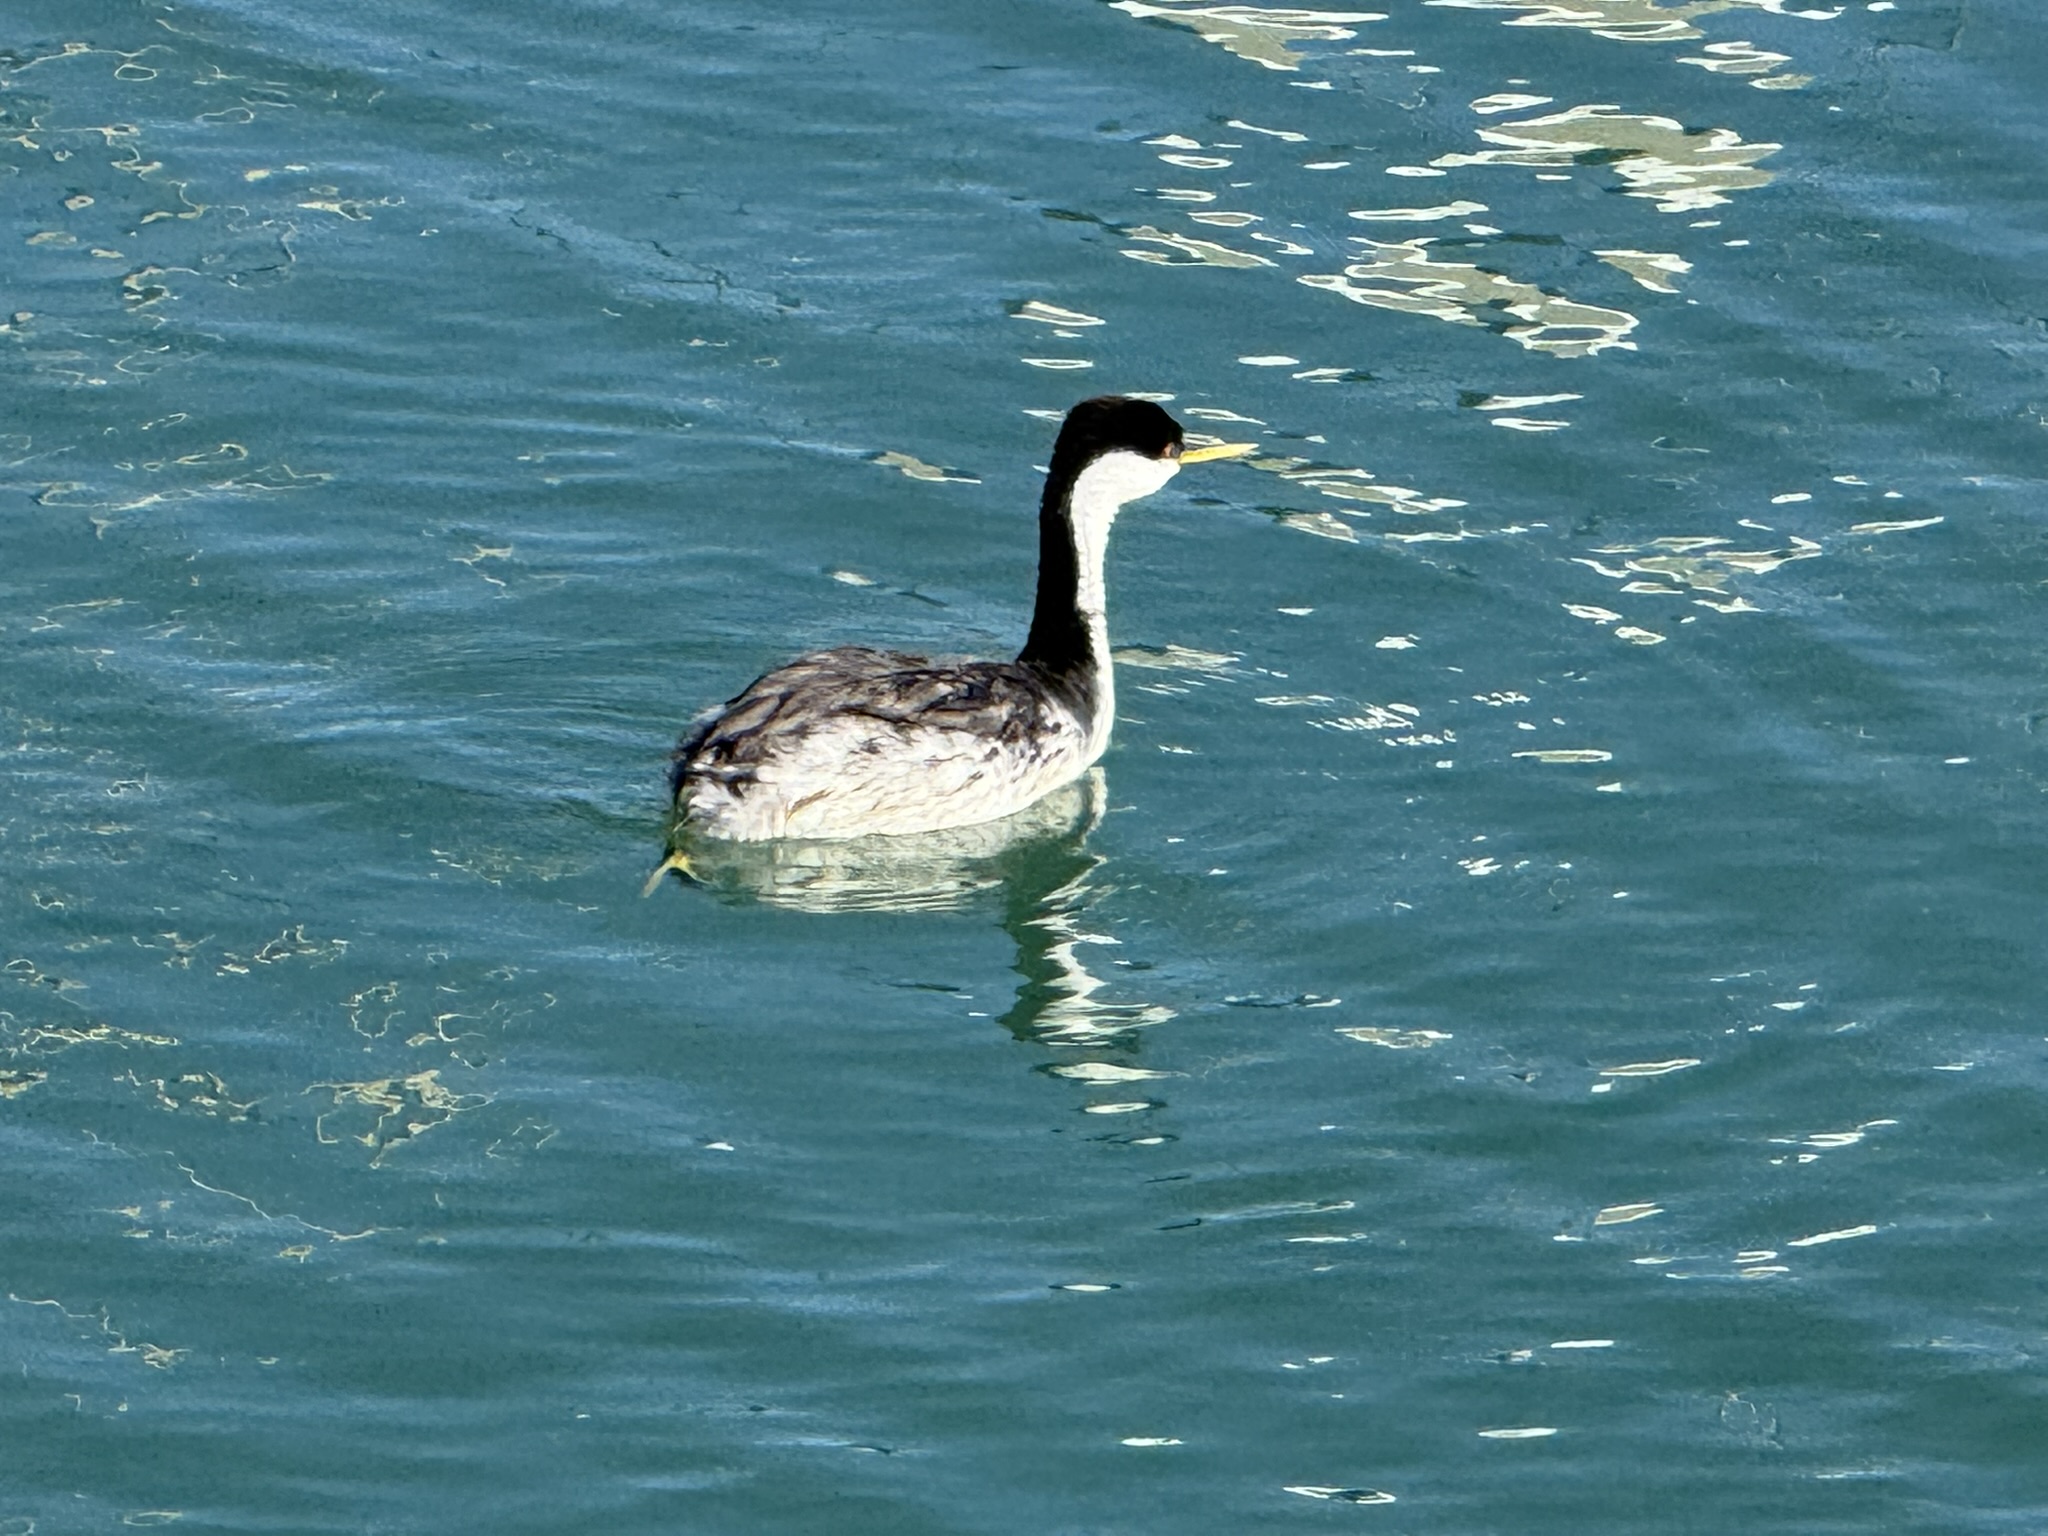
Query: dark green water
<point x="1541" y="1030"/>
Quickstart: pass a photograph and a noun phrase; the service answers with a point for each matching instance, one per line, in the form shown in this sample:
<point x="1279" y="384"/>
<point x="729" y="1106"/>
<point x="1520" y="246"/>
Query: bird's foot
<point x="677" y="860"/>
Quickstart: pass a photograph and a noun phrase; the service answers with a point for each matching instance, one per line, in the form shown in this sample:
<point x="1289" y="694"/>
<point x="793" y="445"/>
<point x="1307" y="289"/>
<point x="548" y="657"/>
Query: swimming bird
<point x="854" y="741"/>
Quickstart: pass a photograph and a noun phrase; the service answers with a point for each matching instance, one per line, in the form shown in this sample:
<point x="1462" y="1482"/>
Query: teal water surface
<point x="1537" y="1025"/>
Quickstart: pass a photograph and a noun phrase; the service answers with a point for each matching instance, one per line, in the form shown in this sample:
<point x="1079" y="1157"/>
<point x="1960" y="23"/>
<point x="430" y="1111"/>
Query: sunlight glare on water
<point x="1535" y="1024"/>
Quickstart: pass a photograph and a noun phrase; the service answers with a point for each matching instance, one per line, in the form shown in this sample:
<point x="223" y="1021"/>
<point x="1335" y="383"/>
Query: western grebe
<point x="851" y="742"/>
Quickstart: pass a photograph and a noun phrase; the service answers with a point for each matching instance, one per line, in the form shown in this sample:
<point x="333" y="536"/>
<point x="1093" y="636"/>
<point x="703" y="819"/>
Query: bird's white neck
<point x="1069" y="639"/>
<point x="1099" y="492"/>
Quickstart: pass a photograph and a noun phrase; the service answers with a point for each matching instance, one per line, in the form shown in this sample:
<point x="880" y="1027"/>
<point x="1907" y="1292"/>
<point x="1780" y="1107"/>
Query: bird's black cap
<point x="1095" y="427"/>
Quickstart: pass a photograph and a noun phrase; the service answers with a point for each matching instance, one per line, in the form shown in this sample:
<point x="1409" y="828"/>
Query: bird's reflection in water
<point x="1034" y="866"/>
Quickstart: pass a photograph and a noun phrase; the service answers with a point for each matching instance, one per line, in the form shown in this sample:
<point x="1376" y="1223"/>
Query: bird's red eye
<point x="1173" y="450"/>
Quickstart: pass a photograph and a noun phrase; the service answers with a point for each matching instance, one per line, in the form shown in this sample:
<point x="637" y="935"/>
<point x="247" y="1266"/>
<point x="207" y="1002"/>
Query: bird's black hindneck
<point x="1060" y="648"/>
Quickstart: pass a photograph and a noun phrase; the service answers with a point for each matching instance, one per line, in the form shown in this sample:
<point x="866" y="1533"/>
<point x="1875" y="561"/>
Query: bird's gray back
<point x="987" y="730"/>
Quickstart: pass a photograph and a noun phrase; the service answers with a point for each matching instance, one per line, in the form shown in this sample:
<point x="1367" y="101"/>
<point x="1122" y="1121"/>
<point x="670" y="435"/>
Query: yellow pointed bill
<point x="1215" y="451"/>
